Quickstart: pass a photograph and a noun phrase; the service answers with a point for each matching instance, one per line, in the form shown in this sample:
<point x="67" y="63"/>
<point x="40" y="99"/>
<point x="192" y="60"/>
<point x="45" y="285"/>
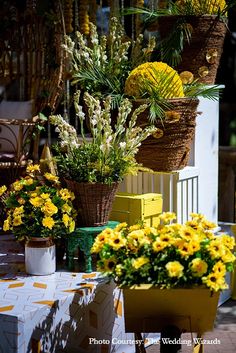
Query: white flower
<point x="93" y="122"/>
<point x="122" y="145"/>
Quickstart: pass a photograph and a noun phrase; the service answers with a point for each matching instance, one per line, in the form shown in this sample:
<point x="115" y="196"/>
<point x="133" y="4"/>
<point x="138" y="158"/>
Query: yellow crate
<point x="132" y="208"/>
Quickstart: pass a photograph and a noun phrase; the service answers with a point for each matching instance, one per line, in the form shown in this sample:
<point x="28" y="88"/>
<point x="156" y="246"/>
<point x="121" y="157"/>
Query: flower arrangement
<point x="109" y="154"/>
<point x="100" y="64"/>
<point x="38" y="207"/>
<point x="169" y="255"/>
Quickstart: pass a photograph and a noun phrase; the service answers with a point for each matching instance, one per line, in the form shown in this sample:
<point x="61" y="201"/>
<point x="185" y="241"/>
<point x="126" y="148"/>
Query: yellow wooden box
<point x="132" y="208"/>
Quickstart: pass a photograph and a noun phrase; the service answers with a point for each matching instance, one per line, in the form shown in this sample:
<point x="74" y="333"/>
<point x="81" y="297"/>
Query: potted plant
<point x="170" y="274"/>
<point x="191" y="34"/>
<point x="93" y="166"/>
<point x="38" y="210"/>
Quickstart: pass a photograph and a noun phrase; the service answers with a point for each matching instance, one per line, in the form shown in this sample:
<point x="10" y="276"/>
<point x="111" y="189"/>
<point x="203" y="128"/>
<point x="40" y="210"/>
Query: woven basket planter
<point x="93" y="202"/>
<point x="171" y="151"/>
<point x="202" y="55"/>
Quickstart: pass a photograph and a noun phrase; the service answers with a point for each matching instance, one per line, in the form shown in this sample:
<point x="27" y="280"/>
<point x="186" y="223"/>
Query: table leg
<point x="139" y="348"/>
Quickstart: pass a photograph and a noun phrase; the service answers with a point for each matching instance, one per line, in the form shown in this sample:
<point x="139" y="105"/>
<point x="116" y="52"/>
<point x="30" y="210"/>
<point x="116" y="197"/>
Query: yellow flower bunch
<point x="169" y="255"/>
<point x="208" y="7"/>
<point x="154" y="76"/>
<point x="38" y="207"/>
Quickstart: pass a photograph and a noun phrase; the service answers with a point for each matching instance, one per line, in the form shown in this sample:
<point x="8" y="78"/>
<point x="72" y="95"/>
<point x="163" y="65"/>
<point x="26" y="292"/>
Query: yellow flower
<point x="107" y="265"/>
<point x="187" y="232"/>
<point x="66" y="208"/>
<point x="167" y="217"/>
<point x="116" y="241"/>
<point x="150" y="230"/>
<point x="48" y="222"/>
<point x="193" y="224"/>
<point x="174" y="269"/>
<point x="28" y="181"/>
<point x="166" y="238"/>
<point x="228" y="241"/>
<point x="215" y="281"/>
<point x="49" y="208"/>
<point x="207" y="225"/>
<point x="6" y="225"/>
<point x="219" y="268"/>
<point x="17" y="221"/>
<point x="118" y="270"/>
<point x="18" y="211"/>
<point x="71" y="226"/>
<point x="197" y="216"/>
<point x="36" y="201"/>
<point x="17" y="186"/>
<point x="45" y="196"/>
<point x="184" y="248"/>
<point x="51" y="177"/>
<point x="156" y="75"/>
<point x="158" y="245"/>
<point x="139" y="262"/>
<point x="66" y="219"/>
<point x="120" y="226"/>
<point x="33" y="168"/>
<point x="210" y="7"/>
<point x="21" y="201"/>
<point x="194" y="245"/>
<point x="216" y="249"/>
<point x="2" y="189"/>
<point x="198" y="267"/>
<point x="65" y="194"/>
<point x="134" y="227"/>
<point x="227" y="256"/>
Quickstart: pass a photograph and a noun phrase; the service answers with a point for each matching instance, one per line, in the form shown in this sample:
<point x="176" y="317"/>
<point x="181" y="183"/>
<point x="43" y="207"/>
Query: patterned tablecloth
<point x="65" y="312"/>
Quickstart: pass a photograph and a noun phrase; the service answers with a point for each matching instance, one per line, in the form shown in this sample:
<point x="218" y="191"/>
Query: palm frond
<point x="195" y="90"/>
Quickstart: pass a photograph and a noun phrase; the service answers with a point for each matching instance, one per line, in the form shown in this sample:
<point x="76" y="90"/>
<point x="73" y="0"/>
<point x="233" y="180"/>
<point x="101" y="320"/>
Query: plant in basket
<point x="191" y="34"/>
<point x="93" y="166"/>
<point x="168" y="272"/>
<point x="38" y="211"/>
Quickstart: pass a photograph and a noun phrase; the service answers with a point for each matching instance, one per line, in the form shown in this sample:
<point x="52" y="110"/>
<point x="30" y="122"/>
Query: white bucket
<point x="40" y="261"/>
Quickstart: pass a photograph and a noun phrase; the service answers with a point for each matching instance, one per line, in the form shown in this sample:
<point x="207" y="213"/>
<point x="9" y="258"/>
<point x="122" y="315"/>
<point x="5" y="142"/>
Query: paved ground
<point x="224" y="332"/>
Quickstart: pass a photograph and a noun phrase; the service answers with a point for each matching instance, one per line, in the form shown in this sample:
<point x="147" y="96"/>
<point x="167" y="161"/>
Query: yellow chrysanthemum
<point x="158" y="75"/>
<point x="36" y="201"/>
<point x="17" y="221"/>
<point x="2" y="189"/>
<point x="194" y="245"/>
<point x="33" y="168"/>
<point x="49" y="208"/>
<point x="193" y="224"/>
<point x="187" y="233"/>
<point x="215" y="281"/>
<point x="116" y="241"/>
<point x="139" y="262"/>
<point x="198" y="267"/>
<point x="48" y="222"/>
<point x="216" y="249"/>
<point x="174" y="269"/>
<point x="18" y="211"/>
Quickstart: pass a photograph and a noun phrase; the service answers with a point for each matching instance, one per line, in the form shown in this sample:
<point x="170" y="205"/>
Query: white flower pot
<point x="40" y="257"/>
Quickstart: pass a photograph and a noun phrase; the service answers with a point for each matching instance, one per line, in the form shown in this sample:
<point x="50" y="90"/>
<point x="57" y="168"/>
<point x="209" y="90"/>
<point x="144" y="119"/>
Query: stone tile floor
<point x="224" y="331"/>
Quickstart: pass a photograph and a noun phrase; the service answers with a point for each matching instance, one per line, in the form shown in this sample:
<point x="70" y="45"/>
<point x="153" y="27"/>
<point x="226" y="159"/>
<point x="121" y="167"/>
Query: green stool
<point x="84" y="238"/>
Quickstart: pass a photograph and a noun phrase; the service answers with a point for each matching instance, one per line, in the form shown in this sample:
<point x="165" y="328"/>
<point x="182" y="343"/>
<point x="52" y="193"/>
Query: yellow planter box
<point x="152" y="309"/>
<point x="132" y="208"/>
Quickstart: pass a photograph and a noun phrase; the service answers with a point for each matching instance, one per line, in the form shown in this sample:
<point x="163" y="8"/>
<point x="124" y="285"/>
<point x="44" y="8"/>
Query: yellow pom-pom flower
<point x="211" y="7"/>
<point x="154" y="76"/>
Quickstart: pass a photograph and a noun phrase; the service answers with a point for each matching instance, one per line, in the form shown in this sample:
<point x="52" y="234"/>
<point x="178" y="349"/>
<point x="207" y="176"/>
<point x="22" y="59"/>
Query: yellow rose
<point x="49" y="208"/>
<point x="66" y="208"/>
<point x="139" y="262"/>
<point x="66" y="219"/>
<point x="48" y="222"/>
<point x="174" y="269"/>
<point x="45" y="196"/>
<point x="36" y="201"/>
<point x="65" y="194"/>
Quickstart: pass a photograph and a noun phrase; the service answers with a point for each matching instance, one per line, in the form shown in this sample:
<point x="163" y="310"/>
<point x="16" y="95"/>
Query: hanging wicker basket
<point x="202" y="55"/>
<point x="93" y="202"/>
<point x="171" y="151"/>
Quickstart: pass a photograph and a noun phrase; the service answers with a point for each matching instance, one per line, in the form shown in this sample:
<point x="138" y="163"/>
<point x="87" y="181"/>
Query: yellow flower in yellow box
<point x="209" y="7"/>
<point x="168" y="256"/>
<point x="156" y="76"/>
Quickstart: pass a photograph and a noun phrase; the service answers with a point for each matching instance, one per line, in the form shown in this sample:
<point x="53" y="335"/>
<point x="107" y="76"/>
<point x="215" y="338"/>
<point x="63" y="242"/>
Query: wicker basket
<point x="171" y="151"/>
<point x="202" y="55"/>
<point x="93" y="202"/>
